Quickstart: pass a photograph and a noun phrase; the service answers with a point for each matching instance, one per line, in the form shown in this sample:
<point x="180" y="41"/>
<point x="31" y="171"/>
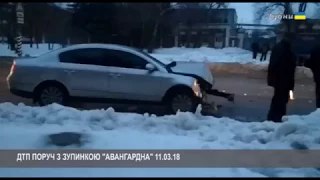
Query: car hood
<point x="195" y="69"/>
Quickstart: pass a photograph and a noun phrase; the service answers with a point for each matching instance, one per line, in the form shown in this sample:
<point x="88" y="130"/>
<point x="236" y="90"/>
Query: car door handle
<point x="114" y="75"/>
<point x="69" y="71"/>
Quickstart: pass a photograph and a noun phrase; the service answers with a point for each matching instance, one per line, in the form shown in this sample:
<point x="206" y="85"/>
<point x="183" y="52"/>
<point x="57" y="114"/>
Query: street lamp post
<point x="20" y="22"/>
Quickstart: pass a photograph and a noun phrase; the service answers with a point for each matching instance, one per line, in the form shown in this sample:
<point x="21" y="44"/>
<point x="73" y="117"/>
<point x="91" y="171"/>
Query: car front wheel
<point x="183" y="102"/>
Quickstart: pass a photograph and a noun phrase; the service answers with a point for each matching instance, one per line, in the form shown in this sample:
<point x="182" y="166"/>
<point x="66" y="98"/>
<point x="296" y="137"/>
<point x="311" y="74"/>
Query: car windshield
<point x="151" y="57"/>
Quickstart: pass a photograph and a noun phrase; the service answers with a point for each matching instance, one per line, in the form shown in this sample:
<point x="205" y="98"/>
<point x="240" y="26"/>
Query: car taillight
<point x="13" y="67"/>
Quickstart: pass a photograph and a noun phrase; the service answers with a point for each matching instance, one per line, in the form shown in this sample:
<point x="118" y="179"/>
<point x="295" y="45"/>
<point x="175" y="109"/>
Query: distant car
<point x="109" y="73"/>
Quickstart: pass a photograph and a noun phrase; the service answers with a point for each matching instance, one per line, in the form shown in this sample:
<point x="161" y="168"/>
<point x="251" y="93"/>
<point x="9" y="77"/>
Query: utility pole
<point x="20" y="22"/>
<point x="288" y="10"/>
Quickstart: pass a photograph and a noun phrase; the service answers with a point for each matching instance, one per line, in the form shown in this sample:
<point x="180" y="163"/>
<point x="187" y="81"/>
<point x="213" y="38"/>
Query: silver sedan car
<point x="109" y="73"/>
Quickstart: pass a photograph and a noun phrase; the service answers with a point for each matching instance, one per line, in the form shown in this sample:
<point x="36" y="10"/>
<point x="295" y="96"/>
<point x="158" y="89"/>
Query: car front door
<point x="83" y="74"/>
<point x="129" y="79"/>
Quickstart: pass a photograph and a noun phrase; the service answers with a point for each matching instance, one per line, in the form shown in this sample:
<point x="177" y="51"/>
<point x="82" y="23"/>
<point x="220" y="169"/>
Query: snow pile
<point x="205" y="54"/>
<point x="26" y="49"/>
<point x="302" y="72"/>
<point x="25" y="127"/>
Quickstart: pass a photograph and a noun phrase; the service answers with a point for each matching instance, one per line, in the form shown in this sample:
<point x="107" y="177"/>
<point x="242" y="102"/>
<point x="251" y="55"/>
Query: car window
<point x="123" y="59"/>
<point x="149" y="56"/>
<point x="103" y="57"/>
<point x="91" y="56"/>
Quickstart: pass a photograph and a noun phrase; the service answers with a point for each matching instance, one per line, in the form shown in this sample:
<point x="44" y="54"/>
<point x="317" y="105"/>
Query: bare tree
<point x="162" y="10"/>
<point x="33" y="14"/>
<point x="265" y="9"/>
<point x="147" y="17"/>
<point x="41" y="20"/>
<point x="192" y="17"/>
<point x="142" y="8"/>
<point x="213" y="5"/>
<point x="316" y="14"/>
<point x="50" y="22"/>
<point x="37" y="20"/>
<point x="2" y="19"/>
<point x="302" y="7"/>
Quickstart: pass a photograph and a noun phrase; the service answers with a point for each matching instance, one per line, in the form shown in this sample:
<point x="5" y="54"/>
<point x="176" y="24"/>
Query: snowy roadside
<point x="208" y="55"/>
<point x="226" y="60"/>
<point x="32" y="51"/>
<point x="255" y="70"/>
<point x="25" y="127"/>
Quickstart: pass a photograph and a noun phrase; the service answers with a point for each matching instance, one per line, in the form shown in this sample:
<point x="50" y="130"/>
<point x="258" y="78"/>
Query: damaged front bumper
<point x="208" y="103"/>
<point x="215" y="92"/>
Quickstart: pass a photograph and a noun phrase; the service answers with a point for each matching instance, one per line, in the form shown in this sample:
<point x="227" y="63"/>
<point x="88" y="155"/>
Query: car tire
<point x="183" y="102"/>
<point x="51" y="93"/>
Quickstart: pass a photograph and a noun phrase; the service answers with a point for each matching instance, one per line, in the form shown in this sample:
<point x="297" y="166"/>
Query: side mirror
<point x="151" y="68"/>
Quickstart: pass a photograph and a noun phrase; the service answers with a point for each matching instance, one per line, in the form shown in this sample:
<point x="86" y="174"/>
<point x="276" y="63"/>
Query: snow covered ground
<point x="202" y="54"/>
<point x="208" y="55"/>
<point x="26" y="49"/>
<point x="24" y="127"/>
<point x="228" y="60"/>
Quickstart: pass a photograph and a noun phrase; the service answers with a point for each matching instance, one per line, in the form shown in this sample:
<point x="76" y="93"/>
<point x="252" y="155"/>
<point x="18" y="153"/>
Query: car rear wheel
<point x="51" y="94"/>
<point x="183" y="102"/>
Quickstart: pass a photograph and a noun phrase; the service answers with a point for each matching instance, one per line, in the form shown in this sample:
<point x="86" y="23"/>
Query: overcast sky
<point x="244" y="12"/>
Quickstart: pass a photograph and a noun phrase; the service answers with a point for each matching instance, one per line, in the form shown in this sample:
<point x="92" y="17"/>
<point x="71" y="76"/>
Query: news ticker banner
<point x="160" y="158"/>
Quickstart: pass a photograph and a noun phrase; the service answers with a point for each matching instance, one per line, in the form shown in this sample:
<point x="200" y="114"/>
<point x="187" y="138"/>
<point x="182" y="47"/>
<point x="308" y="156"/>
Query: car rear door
<point x="83" y="73"/>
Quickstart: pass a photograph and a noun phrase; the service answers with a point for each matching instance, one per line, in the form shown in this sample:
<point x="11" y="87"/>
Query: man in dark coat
<point x="264" y="51"/>
<point x="255" y="49"/>
<point x="281" y="73"/>
<point x="314" y="64"/>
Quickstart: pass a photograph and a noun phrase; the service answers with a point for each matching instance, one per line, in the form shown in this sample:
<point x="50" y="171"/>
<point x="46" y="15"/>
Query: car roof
<point x="93" y="45"/>
<point x="97" y="45"/>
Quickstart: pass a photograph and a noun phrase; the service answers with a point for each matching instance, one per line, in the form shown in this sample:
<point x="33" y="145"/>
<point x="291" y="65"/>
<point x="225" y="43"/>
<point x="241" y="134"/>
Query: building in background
<point x="202" y="27"/>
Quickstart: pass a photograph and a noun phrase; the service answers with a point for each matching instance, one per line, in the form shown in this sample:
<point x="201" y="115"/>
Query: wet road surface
<point x="253" y="98"/>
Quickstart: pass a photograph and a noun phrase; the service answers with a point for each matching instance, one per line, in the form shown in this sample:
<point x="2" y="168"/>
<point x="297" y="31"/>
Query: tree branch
<point x="268" y="8"/>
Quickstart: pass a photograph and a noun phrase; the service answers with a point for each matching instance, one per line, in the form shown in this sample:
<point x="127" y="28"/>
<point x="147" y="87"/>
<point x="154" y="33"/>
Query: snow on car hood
<point x="195" y="68"/>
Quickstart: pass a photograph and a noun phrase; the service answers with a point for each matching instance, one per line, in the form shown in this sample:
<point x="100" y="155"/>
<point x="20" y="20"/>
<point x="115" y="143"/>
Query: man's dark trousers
<point x="255" y="53"/>
<point x="263" y="57"/>
<point x="278" y="107"/>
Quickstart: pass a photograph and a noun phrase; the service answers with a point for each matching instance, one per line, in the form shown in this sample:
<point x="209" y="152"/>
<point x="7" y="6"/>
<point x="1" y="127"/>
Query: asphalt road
<point x="252" y="97"/>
